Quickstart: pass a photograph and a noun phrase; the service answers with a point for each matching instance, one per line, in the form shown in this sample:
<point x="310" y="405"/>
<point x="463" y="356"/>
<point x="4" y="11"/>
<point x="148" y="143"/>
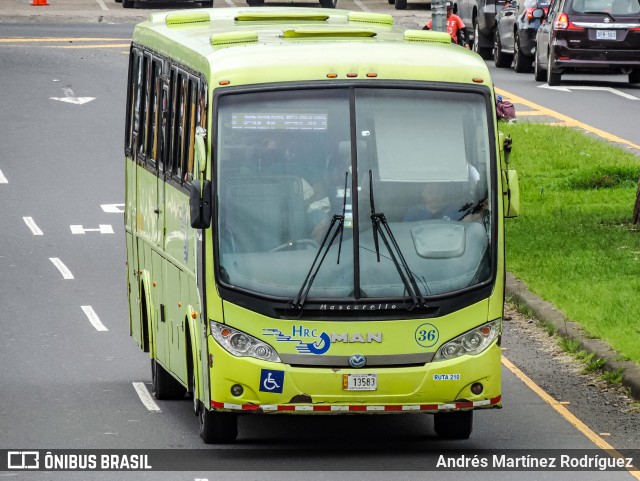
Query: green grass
<point x="574" y="244"/>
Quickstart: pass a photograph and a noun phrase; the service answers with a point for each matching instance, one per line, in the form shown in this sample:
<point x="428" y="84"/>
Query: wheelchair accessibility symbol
<point x="271" y="381"/>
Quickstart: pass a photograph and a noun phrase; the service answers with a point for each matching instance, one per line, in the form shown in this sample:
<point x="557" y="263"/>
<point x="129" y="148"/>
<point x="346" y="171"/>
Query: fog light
<point x="476" y="388"/>
<point x="237" y="390"/>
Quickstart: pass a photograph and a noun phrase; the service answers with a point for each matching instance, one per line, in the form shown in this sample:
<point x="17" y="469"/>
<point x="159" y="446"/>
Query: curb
<point x="547" y="313"/>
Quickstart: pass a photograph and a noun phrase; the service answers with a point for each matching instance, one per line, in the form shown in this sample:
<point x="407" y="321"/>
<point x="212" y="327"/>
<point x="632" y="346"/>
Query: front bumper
<point x="314" y="390"/>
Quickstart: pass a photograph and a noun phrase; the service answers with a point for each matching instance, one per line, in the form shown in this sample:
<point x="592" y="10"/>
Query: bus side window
<point x="138" y="104"/>
<point x="154" y="111"/>
<point x="190" y="129"/>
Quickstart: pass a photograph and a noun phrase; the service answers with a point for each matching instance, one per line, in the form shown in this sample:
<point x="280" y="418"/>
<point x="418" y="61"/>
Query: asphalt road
<point x="66" y="384"/>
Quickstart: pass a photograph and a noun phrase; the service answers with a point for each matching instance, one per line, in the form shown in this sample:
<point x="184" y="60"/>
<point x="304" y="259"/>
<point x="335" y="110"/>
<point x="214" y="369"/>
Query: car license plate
<point x="605" y="34"/>
<point x="359" y="382"/>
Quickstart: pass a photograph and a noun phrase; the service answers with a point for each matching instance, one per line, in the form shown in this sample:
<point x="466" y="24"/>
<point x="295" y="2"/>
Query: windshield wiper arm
<point x="323" y="250"/>
<point x="381" y="228"/>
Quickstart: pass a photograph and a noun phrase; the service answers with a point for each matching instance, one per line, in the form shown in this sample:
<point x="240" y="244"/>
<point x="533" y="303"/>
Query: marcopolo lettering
<point x="357" y="307"/>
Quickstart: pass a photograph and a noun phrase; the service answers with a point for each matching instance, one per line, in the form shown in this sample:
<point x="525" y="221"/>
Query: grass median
<point x="574" y="243"/>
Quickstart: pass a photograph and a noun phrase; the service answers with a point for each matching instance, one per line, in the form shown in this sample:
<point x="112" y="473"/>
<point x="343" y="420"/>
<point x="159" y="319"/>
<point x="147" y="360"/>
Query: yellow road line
<point x="62" y="39"/>
<point x="570" y="122"/>
<point x="113" y="45"/>
<point x="565" y="413"/>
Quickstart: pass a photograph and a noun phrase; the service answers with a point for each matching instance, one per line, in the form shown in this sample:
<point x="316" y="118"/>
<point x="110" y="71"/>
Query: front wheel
<point x="501" y="59"/>
<point x="163" y="384"/>
<point x="207" y="4"/>
<point x="217" y="427"/>
<point x="401" y="4"/>
<point x="484" y="52"/>
<point x="255" y="3"/>
<point x="454" y="425"/>
<point x="521" y="63"/>
<point x="328" y="3"/>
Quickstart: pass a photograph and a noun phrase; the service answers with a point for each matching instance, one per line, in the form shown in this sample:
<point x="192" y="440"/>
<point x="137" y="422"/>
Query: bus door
<point x="134" y="96"/>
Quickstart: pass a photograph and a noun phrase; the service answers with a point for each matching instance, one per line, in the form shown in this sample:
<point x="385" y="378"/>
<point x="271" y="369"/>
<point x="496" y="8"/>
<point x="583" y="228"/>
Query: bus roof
<point x="236" y="46"/>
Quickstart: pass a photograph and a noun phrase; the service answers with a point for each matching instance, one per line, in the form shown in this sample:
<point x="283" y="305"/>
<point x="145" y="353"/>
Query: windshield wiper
<point x="323" y="250"/>
<point x="381" y="228"/>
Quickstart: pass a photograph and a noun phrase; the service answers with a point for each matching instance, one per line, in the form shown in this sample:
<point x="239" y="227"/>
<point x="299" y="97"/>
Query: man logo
<point x="357" y="361"/>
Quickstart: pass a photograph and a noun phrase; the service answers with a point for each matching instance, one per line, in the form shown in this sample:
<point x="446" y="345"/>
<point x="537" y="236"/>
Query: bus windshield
<point x="289" y="162"/>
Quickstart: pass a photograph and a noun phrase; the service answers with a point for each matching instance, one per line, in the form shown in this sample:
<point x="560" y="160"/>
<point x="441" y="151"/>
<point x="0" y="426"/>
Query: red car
<point x="588" y="36"/>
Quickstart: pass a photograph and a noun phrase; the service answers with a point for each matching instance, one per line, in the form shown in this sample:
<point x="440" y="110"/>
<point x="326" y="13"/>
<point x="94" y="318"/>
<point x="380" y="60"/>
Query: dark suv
<point x="588" y="35"/>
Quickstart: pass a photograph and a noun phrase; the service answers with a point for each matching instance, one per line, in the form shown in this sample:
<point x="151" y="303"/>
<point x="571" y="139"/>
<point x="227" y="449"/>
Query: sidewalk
<point x="548" y="314"/>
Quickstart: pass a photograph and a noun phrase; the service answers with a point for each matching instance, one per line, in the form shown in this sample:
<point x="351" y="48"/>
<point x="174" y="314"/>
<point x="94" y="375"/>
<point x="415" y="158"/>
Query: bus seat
<point x="263" y="212"/>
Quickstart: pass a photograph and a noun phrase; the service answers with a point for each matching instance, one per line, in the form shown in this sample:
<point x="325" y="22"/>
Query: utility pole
<point x="438" y="15"/>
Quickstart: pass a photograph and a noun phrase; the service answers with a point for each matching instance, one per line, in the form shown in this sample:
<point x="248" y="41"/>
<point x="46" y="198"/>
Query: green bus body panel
<point x="240" y="46"/>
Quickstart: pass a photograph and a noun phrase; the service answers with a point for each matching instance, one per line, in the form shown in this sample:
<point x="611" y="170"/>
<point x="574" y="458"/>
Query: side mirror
<point x="538" y="13"/>
<point x="200" y="204"/>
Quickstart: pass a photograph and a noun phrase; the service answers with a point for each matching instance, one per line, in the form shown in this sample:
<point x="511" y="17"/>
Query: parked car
<point x="137" y="3"/>
<point x="399" y="4"/>
<point x="479" y="16"/>
<point x="588" y="36"/>
<point x="515" y="35"/>
<point x="323" y="3"/>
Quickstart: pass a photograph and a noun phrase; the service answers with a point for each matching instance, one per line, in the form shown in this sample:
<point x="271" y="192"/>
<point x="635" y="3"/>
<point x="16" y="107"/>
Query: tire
<point x="553" y="78"/>
<point x="255" y="3"/>
<point x="538" y="72"/>
<point x="127" y="4"/>
<point x="217" y="427"/>
<point x="484" y="52"/>
<point x="207" y="4"/>
<point x="328" y="3"/>
<point x="521" y="63"/>
<point x="118" y="1"/>
<point x="391" y="2"/>
<point x="501" y="59"/>
<point x="401" y="4"/>
<point x="455" y="425"/>
<point x="634" y="77"/>
<point x="163" y="384"/>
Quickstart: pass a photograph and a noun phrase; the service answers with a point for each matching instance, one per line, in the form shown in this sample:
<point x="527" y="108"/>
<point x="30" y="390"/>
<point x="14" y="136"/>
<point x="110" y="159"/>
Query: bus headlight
<point x="241" y="344"/>
<point x="471" y="342"/>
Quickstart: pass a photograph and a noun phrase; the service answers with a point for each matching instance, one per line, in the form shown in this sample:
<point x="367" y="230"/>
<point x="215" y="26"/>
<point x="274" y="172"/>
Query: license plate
<point x="605" y="34"/>
<point x="359" y="382"/>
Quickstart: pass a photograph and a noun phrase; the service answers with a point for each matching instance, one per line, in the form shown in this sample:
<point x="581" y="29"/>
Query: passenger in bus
<point x="278" y="158"/>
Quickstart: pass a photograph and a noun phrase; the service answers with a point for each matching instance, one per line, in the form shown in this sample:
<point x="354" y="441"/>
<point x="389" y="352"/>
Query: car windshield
<point x="295" y="167"/>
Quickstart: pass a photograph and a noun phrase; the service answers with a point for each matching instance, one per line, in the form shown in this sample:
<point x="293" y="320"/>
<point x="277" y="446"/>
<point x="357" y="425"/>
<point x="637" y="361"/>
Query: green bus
<point x="314" y="216"/>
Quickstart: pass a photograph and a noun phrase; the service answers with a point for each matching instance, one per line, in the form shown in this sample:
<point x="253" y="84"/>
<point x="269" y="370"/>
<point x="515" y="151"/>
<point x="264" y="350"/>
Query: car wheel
<point x="538" y="72"/>
<point x="207" y="4"/>
<point x="484" y="52"/>
<point x="455" y="425"/>
<point x="391" y="2"/>
<point x="501" y="59"/>
<point x="553" y="78"/>
<point x="401" y="4"/>
<point x="255" y="3"/>
<point x="217" y="427"/>
<point x="118" y="1"/>
<point x="127" y="3"/>
<point x="634" y="77"/>
<point x="521" y="63"/>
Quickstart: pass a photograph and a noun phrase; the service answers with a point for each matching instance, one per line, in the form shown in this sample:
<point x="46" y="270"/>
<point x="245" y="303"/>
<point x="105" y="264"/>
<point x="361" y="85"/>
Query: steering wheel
<point x="296" y="245"/>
